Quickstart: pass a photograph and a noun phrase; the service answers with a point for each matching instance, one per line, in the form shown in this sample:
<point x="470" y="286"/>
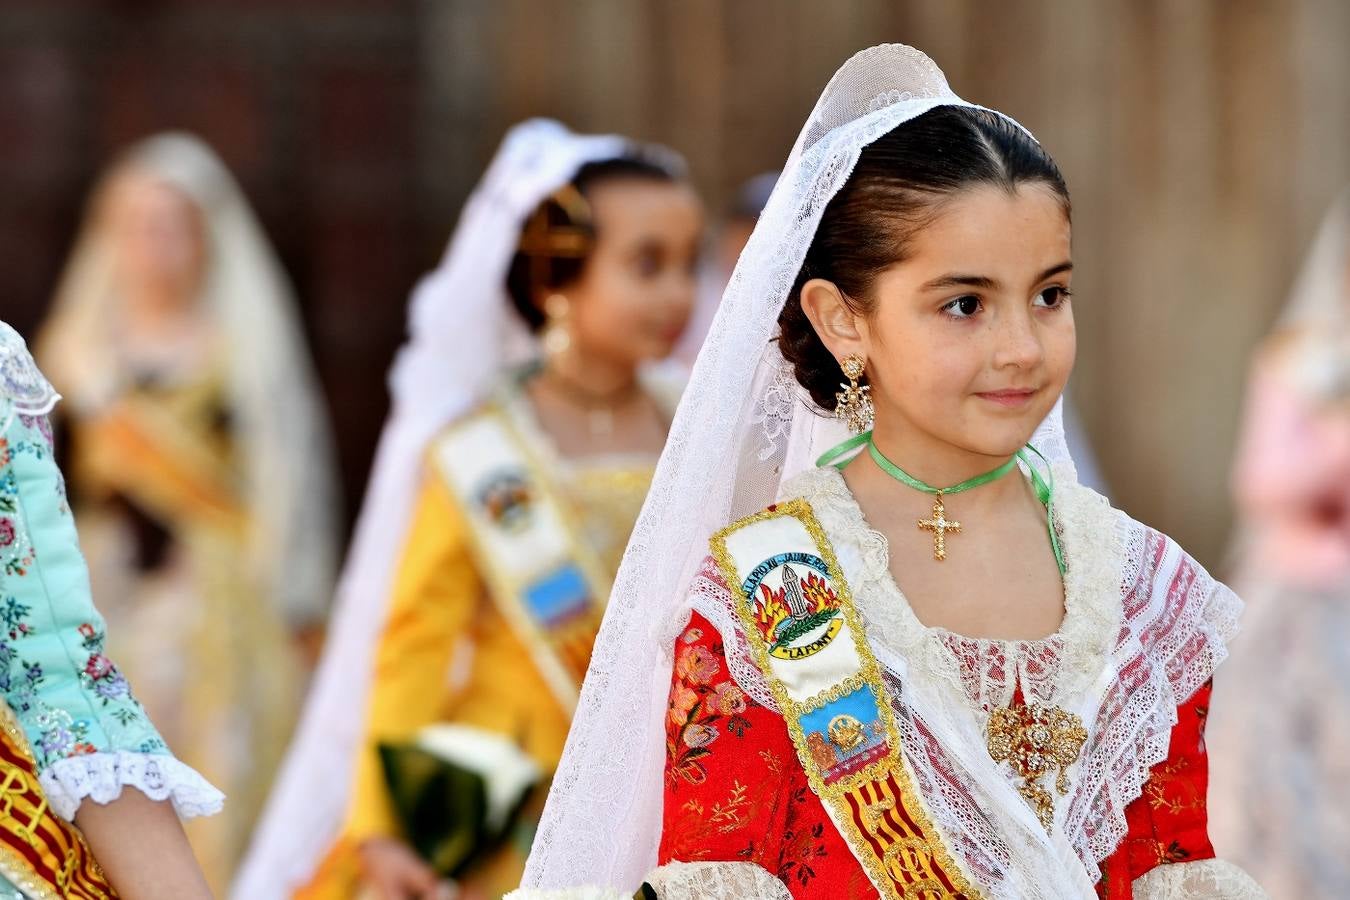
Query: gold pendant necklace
<point x="940" y="525"/>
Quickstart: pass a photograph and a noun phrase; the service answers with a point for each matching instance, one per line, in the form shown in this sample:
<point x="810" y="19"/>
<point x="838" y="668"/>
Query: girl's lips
<point x="1010" y="398"/>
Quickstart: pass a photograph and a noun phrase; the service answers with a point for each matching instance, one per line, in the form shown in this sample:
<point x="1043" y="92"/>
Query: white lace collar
<point x="1056" y="669"/>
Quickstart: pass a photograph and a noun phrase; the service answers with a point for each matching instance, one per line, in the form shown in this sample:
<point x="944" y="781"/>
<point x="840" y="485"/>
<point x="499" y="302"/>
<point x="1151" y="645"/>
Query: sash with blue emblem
<point x="807" y="639"/>
<point x="547" y="582"/>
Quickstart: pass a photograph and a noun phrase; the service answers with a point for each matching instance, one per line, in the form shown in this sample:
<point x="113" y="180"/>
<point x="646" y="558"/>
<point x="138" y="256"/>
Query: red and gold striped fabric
<point x="42" y="854"/>
<point x="889" y="826"/>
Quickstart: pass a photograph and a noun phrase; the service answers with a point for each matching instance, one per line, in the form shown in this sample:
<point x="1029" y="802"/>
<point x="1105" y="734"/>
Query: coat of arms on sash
<point x="807" y="639"/>
<point x="797" y="616"/>
<point x="540" y="571"/>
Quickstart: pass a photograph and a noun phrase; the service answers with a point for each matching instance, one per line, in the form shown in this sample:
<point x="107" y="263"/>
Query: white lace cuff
<point x="683" y="881"/>
<point x="716" y="881"/>
<point x="576" y="893"/>
<point x="1205" y="879"/>
<point x="101" y="777"/>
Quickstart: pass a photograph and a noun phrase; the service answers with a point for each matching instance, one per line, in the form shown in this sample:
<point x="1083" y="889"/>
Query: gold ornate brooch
<point x="1034" y="739"/>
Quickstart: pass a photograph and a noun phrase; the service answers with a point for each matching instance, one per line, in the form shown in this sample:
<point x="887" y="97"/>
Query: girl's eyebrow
<point x="953" y="280"/>
<point x="984" y="282"/>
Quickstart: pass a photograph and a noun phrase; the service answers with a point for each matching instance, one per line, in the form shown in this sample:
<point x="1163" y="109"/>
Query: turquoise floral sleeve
<point x="70" y="698"/>
<point x="88" y="733"/>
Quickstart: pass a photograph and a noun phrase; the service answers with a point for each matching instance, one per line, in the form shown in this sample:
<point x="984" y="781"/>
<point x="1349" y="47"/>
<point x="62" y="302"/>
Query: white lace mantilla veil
<point x="743" y="427"/>
<point x="463" y="334"/>
<point x="273" y="393"/>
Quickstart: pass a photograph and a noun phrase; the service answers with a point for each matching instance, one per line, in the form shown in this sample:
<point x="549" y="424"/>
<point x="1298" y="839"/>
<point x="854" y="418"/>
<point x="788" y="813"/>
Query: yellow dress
<point x="447" y="655"/>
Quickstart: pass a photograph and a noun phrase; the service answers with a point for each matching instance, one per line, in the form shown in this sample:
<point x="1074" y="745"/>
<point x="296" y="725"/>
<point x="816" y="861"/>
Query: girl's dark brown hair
<point x="559" y="235"/>
<point x="896" y="188"/>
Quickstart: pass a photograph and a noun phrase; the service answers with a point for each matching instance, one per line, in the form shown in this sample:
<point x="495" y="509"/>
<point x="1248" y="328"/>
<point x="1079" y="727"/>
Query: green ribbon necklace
<point x="939" y="524"/>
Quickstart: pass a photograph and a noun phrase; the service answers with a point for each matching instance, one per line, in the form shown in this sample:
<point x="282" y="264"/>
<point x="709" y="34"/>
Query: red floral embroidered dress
<point x="1135" y="606"/>
<point x="734" y="790"/>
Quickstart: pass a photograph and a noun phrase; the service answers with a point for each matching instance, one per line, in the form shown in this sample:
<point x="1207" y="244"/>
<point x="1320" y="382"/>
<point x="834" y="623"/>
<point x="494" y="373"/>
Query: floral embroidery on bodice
<point x="1144" y="627"/>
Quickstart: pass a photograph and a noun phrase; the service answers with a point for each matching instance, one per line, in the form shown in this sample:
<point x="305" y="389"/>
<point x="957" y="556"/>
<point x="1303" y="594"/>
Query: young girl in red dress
<point x="903" y="652"/>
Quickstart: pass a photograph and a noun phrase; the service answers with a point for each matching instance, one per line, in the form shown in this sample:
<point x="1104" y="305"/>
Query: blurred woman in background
<point x="201" y="466"/>
<point x="1281" y="780"/>
<point x="525" y="429"/>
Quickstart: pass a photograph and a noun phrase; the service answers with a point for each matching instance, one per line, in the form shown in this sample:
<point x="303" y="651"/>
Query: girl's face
<point x="634" y="296"/>
<point x="158" y="238"/>
<point x="971" y="339"/>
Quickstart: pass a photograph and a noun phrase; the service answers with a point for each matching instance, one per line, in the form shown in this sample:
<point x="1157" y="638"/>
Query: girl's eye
<point x="648" y="264"/>
<point x="963" y="307"/>
<point x="1052" y="297"/>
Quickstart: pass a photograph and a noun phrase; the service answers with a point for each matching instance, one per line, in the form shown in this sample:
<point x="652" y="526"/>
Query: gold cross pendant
<point x="939" y="525"/>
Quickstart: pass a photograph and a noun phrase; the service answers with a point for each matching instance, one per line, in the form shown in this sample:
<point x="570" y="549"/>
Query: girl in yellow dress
<point x="526" y="425"/>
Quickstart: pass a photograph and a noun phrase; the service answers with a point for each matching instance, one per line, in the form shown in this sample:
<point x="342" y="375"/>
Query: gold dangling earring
<point x="556" y="338"/>
<point x="853" y="404"/>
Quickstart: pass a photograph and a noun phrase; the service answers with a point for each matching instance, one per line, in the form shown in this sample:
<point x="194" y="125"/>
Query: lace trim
<point x="682" y="881"/>
<point x="101" y="777"/>
<point x="587" y="892"/>
<point x="1056" y="669"/>
<point x="1205" y="879"/>
<point x="774" y="410"/>
<point x="21" y="382"/>
<point x="1135" y="606"/>
<point x="1179" y="623"/>
<point x="710" y="597"/>
<point x="716" y="881"/>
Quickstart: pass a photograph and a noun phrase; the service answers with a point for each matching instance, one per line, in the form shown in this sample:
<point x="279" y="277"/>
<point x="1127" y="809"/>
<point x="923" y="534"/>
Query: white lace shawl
<point x="1144" y="628"/>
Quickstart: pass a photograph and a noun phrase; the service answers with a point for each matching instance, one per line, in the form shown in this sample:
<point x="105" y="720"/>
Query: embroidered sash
<point x="806" y="637"/>
<point x="546" y="581"/>
<point x="41" y="854"/>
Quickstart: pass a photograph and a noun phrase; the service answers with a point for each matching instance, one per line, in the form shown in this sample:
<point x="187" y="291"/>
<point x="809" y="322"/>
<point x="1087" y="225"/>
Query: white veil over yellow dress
<point x="205" y="487"/>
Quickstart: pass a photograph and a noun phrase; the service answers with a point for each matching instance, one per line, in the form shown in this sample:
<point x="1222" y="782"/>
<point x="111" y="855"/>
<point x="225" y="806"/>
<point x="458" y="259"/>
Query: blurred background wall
<point x="1202" y="140"/>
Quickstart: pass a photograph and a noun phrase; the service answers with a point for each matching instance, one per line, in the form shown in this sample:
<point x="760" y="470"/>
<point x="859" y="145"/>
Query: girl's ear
<point x="837" y="325"/>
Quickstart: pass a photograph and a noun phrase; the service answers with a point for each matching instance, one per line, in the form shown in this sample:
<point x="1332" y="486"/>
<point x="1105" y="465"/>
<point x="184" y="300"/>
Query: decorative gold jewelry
<point x="1034" y="739"/>
<point x="940" y="525"/>
<point x="556" y="338"/>
<point x="853" y="404"/>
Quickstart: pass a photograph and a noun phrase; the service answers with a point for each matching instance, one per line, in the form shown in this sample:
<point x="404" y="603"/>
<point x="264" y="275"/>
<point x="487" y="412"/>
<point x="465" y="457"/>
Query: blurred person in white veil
<point x="1281" y="729"/>
<point x="527" y="418"/>
<point x="812" y="680"/>
<point x="201" y="466"/>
